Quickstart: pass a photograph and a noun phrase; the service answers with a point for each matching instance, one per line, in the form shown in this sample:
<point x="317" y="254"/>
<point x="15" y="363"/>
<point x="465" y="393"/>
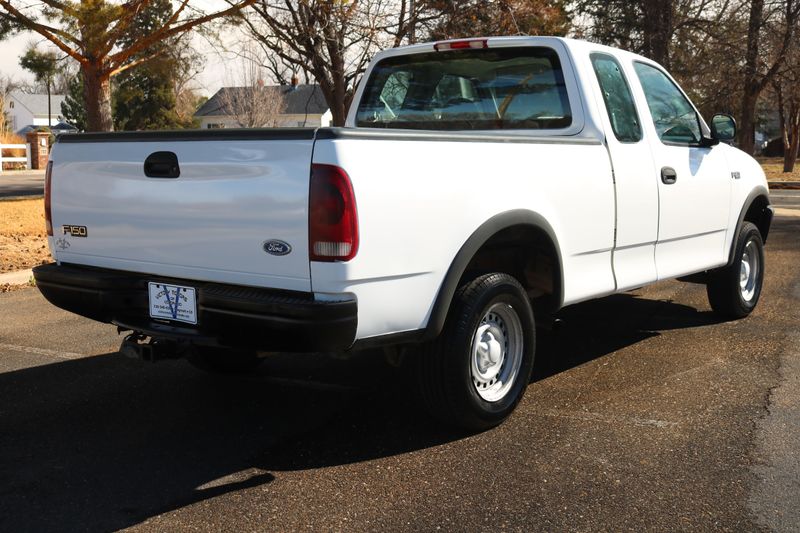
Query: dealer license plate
<point x="173" y="302"/>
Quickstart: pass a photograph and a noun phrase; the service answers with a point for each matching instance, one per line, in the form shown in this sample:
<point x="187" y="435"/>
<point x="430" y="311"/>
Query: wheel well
<point x="758" y="214"/>
<point x="527" y="253"/>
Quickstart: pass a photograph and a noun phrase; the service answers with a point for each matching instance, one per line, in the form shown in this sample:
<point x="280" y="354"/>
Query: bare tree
<point x="777" y="18"/>
<point x="188" y="64"/>
<point x="7" y="85"/>
<point x="470" y="18"/>
<point x="90" y="32"/>
<point x="332" y="41"/>
<point x="786" y="89"/>
<point x="254" y="104"/>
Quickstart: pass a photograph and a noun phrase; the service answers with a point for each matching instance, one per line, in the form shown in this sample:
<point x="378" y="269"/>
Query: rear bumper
<point x="228" y="315"/>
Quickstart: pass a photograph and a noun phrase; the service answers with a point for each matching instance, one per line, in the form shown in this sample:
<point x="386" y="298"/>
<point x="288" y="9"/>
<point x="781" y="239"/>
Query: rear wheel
<point x="223" y="361"/>
<point x="733" y="291"/>
<point x="476" y="373"/>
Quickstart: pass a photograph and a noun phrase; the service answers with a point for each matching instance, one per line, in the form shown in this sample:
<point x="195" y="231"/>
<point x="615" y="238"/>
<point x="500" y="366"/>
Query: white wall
<point x="41" y="120"/>
<point x="18" y="115"/>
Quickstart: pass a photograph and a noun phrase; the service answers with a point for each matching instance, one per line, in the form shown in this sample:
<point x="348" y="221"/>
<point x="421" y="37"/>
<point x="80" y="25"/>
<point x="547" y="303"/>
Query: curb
<point x="36" y="196"/>
<point x="20" y="277"/>
<point x="778" y="185"/>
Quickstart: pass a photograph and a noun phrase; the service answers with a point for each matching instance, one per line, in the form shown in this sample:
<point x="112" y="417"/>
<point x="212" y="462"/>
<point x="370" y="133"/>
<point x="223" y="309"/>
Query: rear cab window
<point x="617" y="96"/>
<point x="514" y="88"/>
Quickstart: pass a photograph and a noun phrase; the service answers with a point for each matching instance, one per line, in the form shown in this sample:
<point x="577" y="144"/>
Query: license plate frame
<point x="168" y="301"/>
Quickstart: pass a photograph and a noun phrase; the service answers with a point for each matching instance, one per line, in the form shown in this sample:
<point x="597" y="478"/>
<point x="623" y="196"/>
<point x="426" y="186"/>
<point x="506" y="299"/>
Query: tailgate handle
<point x="162" y="165"/>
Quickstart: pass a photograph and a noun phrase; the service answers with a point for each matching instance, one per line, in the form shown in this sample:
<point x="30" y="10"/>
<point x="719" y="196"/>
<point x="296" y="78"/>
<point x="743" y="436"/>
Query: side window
<point x="674" y="117"/>
<point x="393" y="94"/>
<point x="454" y="89"/>
<point x="618" y="98"/>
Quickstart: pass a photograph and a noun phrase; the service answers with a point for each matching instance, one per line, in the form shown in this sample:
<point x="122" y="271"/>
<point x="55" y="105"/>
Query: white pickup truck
<point x="477" y="183"/>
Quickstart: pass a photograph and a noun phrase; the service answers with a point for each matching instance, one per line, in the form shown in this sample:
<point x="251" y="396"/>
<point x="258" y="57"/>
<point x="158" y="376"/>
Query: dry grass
<point x="7" y="287"/>
<point x="12" y="138"/>
<point x="773" y="168"/>
<point x="23" y="242"/>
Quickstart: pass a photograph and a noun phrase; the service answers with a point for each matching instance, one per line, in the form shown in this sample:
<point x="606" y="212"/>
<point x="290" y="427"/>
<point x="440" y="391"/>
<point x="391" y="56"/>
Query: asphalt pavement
<point x="646" y="413"/>
<point x="786" y="199"/>
<point x="14" y="183"/>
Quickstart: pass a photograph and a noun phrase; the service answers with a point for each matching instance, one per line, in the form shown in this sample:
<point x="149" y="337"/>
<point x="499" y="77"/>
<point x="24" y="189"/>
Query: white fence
<point x="26" y="159"/>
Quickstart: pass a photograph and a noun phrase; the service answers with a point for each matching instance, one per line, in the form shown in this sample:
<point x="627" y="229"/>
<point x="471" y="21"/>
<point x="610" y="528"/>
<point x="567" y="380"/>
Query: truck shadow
<point x="599" y="327"/>
<point x="103" y="443"/>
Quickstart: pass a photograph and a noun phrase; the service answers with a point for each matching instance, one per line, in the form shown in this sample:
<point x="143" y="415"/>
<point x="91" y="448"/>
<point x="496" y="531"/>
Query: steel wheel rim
<point x="496" y="352"/>
<point x="749" y="271"/>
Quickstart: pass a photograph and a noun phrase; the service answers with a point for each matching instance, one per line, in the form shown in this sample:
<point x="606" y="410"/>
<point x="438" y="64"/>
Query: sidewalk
<point x="20" y="277"/>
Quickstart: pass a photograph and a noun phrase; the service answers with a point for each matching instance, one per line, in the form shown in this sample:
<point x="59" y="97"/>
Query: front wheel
<point x="733" y="291"/>
<point x="476" y="373"/>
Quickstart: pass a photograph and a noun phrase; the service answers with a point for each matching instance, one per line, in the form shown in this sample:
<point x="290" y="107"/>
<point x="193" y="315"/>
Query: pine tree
<point x="73" y="107"/>
<point x="145" y="98"/>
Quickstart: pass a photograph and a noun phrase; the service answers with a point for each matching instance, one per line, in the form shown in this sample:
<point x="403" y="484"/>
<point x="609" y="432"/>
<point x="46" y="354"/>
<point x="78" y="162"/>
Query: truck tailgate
<point x="228" y="217"/>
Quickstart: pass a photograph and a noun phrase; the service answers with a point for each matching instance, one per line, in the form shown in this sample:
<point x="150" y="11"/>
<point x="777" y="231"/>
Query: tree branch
<point x="165" y="32"/>
<point x="48" y="32"/>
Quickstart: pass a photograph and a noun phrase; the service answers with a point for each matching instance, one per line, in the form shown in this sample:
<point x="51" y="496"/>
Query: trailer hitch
<point x="137" y="345"/>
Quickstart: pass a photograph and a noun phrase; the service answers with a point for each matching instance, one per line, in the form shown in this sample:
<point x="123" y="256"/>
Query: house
<point x="23" y="109"/>
<point x="304" y="107"/>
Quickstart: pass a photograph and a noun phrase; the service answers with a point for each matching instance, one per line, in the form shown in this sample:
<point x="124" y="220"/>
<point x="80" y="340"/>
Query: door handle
<point x="162" y="165"/>
<point x="668" y="175"/>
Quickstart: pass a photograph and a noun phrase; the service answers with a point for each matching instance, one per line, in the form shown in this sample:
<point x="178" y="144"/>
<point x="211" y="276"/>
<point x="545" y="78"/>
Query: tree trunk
<point x="747" y="130"/>
<point x="793" y="126"/>
<point x="97" y="95"/>
<point x="657" y="30"/>
<point x="747" y="122"/>
<point x="790" y="155"/>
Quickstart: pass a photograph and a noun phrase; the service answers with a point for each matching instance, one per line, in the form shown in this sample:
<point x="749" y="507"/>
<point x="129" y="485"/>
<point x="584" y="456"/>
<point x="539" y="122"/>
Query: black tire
<point x="445" y="376"/>
<point x="223" y="361"/>
<point x="725" y="292"/>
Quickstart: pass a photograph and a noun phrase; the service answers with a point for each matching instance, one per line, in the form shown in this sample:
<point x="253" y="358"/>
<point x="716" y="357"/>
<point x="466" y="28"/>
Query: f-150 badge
<point x="75" y="231"/>
<point x="276" y="247"/>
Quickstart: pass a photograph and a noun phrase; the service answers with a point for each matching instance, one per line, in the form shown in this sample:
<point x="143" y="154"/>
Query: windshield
<point x="486" y="89"/>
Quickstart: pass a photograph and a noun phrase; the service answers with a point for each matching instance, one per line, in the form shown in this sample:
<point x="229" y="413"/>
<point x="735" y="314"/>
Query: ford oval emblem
<point x="276" y="247"/>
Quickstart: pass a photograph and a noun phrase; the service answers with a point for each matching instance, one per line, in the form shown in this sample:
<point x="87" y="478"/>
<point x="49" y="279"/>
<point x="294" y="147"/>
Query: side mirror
<point x="723" y="127"/>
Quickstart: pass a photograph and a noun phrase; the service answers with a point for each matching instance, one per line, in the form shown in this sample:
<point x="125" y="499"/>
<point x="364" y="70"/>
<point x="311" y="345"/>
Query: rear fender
<point x="518" y="217"/>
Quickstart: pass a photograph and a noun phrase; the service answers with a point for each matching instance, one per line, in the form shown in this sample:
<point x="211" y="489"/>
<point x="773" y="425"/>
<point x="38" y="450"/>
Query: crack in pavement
<point x="775" y="499"/>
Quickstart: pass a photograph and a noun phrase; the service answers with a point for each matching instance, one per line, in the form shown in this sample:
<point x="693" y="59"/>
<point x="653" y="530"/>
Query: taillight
<point x="462" y="44"/>
<point x="333" y="220"/>
<point x="48" y="216"/>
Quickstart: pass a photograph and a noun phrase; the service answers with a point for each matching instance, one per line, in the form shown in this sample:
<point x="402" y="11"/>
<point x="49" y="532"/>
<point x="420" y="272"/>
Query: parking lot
<point x="646" y="413"/>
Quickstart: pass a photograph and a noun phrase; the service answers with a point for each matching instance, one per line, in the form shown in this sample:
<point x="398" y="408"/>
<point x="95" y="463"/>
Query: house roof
<point x="300" y="100"/>
<point x="37" y="103"/>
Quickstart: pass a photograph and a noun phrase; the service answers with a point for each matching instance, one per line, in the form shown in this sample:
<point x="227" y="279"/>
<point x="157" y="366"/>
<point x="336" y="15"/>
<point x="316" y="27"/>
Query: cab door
<point x="634" y="182"/>
<point x="694" y="181"/>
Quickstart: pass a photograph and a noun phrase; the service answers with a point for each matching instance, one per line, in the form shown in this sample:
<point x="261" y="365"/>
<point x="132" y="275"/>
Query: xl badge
<point x="276" y="247"/>
<point x="75" y="231"/>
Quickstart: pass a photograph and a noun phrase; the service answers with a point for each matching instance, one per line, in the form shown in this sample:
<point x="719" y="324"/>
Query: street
<point x="785" y="199"/>
<point x="14" y="183"/>
<point x="646" y="412"/>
